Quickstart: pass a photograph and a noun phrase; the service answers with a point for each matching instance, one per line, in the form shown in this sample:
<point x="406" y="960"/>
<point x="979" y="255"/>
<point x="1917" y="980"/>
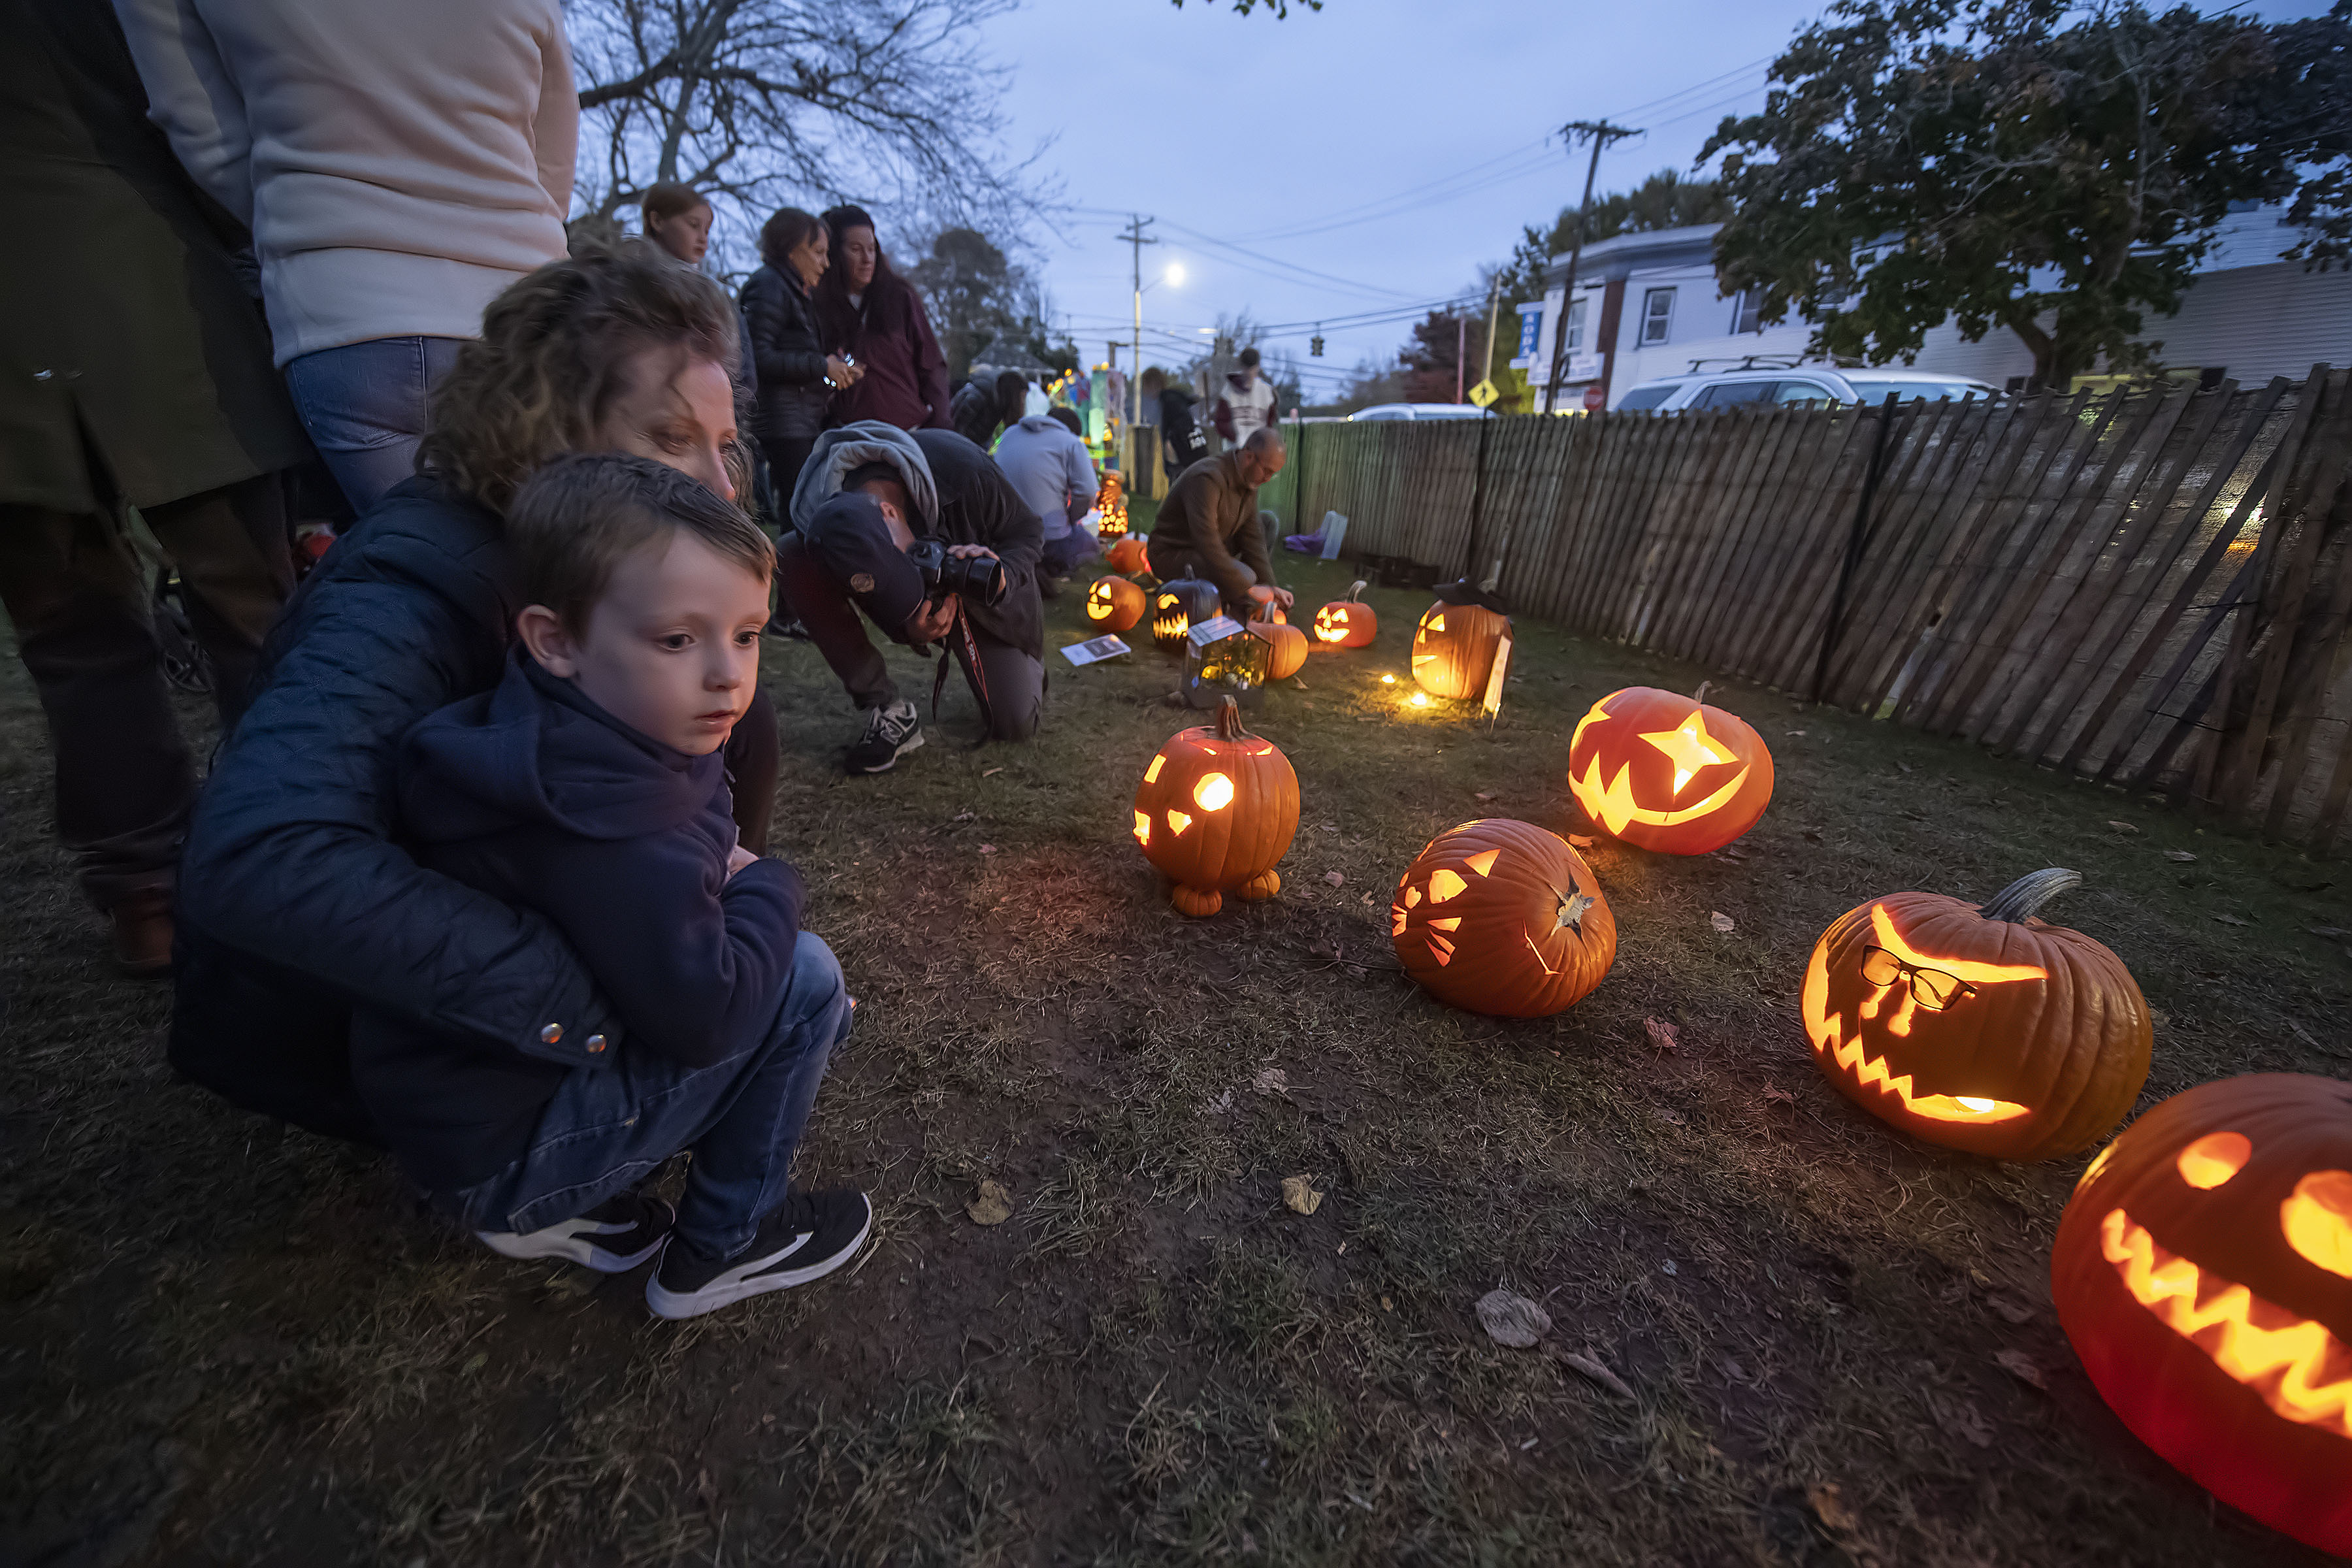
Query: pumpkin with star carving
<point x="1984" y="1028"/>
<point x="2203" y="1271"/>
<point x="1502" y="917"/>
<point x="1668" y="772"/>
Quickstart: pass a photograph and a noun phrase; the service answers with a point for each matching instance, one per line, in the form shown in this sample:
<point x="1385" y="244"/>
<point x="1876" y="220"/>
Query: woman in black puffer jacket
<point x="798" y="375"/>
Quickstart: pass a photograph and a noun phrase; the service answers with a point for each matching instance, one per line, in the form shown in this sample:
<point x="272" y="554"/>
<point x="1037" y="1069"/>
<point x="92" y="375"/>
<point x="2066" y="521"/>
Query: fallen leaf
<point x="1959" y="1415"/>
<point x="2231" y="920"/>
<point x="2023" y="1367"/>
<point x="1721" y="921"/>
<point x="1271" y="1080"/>
<point x="1579" y="841"/>
<point x="1775" y="1095"/>
<point x="1334" y="877"/>
<point x="1793" y="734"/>
<point x="988" y="848"/>
<point x="1812" y="836"/>
<point x="2183" y="856"/>
<point x="965" y="815"/>
<point x="1590" y="1365"/>
<point x="1664" y="1036"/>
<point x="1387" y="1305"/>
<point x="991" y="773"/>
<point x="2014" y="1310"/>
<point x="1512" y="1320"/>
<point x="1299" y="682"/>
<point x="1298" y="1193"/>
<point x="2121" y="827"/>
<point x="1828" y="1506"/>
<point x="1483" y="794"/>
<point x="992" y="1206"/>
<point x="1219" y="1104"/>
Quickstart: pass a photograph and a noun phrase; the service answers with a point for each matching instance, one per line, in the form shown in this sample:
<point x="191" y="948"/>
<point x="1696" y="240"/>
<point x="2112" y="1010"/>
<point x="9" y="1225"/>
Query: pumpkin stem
<point x="2023" y="898"/>
<point x="1699" y="696"/>
<point x="1229" y="721"/>
<point x="1354" y="592"/>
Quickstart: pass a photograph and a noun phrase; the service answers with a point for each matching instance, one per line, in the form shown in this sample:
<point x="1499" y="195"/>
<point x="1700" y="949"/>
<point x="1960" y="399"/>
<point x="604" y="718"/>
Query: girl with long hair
<point x="871" y="314"/>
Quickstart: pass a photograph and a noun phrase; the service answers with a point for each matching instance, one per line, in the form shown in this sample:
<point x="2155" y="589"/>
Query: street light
<point x="1173" y="274"/>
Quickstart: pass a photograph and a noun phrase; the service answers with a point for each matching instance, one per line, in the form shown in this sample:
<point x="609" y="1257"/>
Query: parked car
<point x="1818" y="385"/>
<point x="1380" y="411"/>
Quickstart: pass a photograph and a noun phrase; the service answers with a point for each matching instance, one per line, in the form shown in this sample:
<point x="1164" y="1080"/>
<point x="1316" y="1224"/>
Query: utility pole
<point x="1136" y="240"/>
<point x="1494" y="303"/>
<point x="1601" y="134"/>
<point x="1461" y="352"/>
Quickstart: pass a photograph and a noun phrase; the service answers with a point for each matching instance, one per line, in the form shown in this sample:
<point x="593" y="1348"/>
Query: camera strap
<point x="964" y="649"/>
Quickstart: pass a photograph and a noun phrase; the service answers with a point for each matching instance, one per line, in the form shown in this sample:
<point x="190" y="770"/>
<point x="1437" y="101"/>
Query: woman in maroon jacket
<point x="870" y="312"/>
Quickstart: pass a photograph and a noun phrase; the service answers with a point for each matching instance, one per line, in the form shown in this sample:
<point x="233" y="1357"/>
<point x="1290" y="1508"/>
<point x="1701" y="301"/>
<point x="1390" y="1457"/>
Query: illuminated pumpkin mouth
<point x="1613" y="805"/>
<point x="1871" y="1072"/>
<point x="2300" y="1370"/>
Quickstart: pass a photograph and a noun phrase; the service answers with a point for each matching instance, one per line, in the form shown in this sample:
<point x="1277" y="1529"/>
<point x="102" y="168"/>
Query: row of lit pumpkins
<point x="2203" y="1269"/>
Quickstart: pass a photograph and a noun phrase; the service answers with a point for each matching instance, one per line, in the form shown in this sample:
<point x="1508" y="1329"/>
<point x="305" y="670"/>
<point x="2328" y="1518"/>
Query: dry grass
<point x="225" y="1344"/>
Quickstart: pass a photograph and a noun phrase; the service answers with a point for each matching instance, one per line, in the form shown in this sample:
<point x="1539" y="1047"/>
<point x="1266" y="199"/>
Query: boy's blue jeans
<point x="743" y="1117"/>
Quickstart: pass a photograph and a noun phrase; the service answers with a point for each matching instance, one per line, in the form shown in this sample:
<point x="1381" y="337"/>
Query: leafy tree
<point x="975" y="295"/>
<point x="2053" y="169"/>
<point x="1667" y="199"/>
<point x="1431" y="360"/>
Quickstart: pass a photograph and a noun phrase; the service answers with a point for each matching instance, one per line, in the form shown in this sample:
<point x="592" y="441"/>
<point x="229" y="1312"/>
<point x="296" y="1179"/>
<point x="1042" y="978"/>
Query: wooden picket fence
<point x="2148" y="588"/>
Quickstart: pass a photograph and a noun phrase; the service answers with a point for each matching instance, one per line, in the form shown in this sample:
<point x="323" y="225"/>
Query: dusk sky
<point x="1366" y="157"/>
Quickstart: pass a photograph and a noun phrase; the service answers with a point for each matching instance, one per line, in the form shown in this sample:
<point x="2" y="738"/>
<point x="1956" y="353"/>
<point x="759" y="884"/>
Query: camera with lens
<point x="979" y="578"/>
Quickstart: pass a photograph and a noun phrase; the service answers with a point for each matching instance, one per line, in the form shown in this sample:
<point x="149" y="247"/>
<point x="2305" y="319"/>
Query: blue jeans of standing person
<point x="365" y="406"/>
<point x="608" y="1128"/>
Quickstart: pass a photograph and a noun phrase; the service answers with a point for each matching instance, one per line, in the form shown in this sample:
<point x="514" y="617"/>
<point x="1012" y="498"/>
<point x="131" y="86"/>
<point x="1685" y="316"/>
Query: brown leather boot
<point x="142" y="934"/>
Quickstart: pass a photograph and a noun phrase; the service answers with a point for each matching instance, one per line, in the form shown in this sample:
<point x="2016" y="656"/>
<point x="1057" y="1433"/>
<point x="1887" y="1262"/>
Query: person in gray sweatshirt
<point x="1053" y="473"/>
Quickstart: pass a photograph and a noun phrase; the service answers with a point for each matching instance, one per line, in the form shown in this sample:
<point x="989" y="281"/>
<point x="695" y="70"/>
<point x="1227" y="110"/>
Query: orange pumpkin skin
<point x="1346" y="622"/>
<point x="1130" y="555"/>
<point x="2203" y="1270"/>
<point x="2041" y="1056"/>
<point x="1629" y="752"/>
<point x="1286" y="646"/>
<point x="1501" y="916"/>
<point x="1114" y="604"/>
<point x="1453" y="648"/>
<point x="1217" y="809"/>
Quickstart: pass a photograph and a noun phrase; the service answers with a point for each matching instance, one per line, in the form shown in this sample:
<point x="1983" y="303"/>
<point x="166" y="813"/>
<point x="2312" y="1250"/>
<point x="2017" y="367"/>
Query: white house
<point x="1649" y="305"/>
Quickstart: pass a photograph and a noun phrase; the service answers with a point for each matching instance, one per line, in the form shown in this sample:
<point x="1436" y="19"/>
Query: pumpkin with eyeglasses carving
<point x="2203" y="1270"/>
<point x="1979" y="1028"/>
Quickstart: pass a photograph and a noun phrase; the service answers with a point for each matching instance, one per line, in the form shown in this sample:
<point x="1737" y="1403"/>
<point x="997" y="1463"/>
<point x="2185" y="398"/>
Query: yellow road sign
<point x="1483" y="394"/>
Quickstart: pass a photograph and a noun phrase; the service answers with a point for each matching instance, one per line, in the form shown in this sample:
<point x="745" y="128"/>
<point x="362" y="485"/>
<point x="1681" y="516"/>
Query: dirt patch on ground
<point x="223" y="1342"/>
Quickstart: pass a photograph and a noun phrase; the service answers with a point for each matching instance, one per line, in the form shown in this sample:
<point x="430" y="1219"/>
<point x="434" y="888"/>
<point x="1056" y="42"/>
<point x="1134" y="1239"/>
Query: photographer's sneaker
<point x="890" y="734"/>
<point x="611" y="1238"/>
<point x="813" y="1235"/>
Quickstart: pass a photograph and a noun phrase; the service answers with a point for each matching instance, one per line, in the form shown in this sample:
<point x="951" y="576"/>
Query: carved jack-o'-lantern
<point x="1285" y="645"/>
<point x="1111" y="500"/>
<point x="1453" y="647"/>
<point x="1347" y="621"/>
<point x="1217" y="809"/>
<point x="1667" y="773"/>
<point x="1130" y="555"/>
<point x="1982" y="1029"/>
<point x="2203" y="1271"/>
<point x="1178" y="605"/>
<point x="1501" y="916"/>
<point x="1114" y="604"/>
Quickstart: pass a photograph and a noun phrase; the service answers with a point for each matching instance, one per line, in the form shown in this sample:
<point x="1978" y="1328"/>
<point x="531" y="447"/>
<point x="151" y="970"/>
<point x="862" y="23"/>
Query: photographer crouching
<point x="921" y="531"/>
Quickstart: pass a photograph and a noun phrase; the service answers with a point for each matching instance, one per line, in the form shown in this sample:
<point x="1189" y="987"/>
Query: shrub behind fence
<point x="2149" y="588"/>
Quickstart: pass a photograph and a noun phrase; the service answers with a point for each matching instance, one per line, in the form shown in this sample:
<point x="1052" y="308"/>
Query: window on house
<point x="1657" y="315"/>
<point x="1576" y="327"/>
<point x="1747" y="311"/>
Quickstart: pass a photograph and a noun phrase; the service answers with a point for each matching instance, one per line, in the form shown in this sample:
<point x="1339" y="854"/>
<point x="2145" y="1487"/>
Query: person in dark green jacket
<point x="1208" y="525"/>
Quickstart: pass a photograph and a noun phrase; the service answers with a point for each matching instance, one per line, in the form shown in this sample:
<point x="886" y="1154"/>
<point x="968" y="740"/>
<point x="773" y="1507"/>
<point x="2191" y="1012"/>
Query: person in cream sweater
<point x="398" y="165"/>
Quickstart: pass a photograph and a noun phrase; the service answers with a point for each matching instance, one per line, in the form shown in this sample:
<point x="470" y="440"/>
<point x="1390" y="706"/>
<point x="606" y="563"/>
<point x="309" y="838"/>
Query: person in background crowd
<point x="869" y="493"/>
<point x="795" y="376"/>
<point x="1180" y="445"/>
<point x="874" y="316"/>
<point x="137" y="374"/>
<point x="988" y="403"/>
<point x="298" y="900"/>
<point x="399" y="165"/>
<point x="1208" y="525"/>
<point x="1246" y="403"/>
<point x="677" y="217"/>
<point x="1055" y="476"/>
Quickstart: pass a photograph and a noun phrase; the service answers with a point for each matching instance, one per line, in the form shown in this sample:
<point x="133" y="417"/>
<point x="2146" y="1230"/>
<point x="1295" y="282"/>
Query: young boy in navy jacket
<point x="588" y="786"/>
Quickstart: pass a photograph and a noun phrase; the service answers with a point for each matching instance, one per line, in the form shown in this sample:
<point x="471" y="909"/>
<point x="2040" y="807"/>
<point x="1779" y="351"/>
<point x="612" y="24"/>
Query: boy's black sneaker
<point x="813" y="1235"/>
<point x="890" y="734"/>
<point x="611" y="1238"/>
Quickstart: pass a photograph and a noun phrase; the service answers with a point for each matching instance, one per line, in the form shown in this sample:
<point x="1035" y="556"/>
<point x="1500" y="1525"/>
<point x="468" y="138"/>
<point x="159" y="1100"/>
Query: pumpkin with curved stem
<point x="1114" y="604"/>
<point x="1454" y="647"/>
<point x="1347" y="621"/>
<point x="1130" y="555"/>
<point x="1501" y="916"/>
<point x="1979" y="1028"/>
<point x="2203" y="1270"/>
<point x="1286" y="650"/>
<point x="1667" y="773"/>
<point x="1178" y="605"/>
<point x="1216" y="810"/>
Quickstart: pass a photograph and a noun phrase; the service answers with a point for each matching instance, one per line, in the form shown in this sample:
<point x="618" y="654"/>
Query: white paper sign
<point x="1335" y="529"/>
<point x="1095" y="652"/>
<point x="1494" y="699"/>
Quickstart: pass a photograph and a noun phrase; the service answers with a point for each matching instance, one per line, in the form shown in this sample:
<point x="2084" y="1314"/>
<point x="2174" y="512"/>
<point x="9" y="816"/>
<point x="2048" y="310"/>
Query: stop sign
<point x="1594" y="397"/>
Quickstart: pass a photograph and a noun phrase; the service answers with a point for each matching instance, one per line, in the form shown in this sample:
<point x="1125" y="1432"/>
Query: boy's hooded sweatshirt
<point x="534" y="795"/>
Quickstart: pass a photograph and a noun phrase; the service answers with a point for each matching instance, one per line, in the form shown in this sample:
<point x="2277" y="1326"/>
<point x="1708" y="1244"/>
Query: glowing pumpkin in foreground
<point x="1178" y="605"/>
<point x="1285" y="645"/>
<point x="1982" y="1029"/>
<point x="1667" y="773"/>
<point x="1501" y="916"/>
<point x="1217" y="809"/>
<point x="2203" y="1271"/>
<point x="1130" y="554"/>
<point x="1453" y="647"/>
<point x="1348" y="621"/>
<point x="1114" y="604"/>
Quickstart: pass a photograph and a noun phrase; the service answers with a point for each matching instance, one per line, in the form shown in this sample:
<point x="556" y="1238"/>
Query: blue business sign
<point x="1531" y="333"/>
